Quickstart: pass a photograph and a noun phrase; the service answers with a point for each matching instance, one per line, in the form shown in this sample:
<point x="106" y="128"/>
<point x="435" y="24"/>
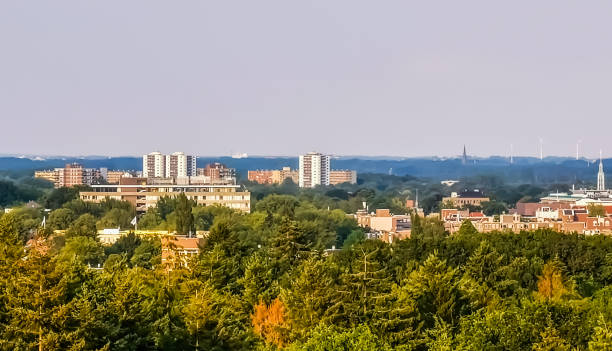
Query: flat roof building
<point x="473" y="198"/>
<point x="338" y="176"/>
<point x="143" y="195"/>
<point x="273" y="176"/>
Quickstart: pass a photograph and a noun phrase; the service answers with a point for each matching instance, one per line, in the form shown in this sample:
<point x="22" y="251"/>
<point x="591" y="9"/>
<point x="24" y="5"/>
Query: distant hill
<point x="523" y="170"/>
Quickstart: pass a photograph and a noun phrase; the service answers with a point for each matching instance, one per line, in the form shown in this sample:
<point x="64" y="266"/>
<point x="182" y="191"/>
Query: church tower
<point x="601" y="178"/>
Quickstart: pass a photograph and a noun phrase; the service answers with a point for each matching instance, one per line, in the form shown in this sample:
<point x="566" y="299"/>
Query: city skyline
<point x="417" y="80"/>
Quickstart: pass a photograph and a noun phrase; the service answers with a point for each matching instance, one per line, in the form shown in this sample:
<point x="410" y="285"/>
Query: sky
<point x="343" y="77"/>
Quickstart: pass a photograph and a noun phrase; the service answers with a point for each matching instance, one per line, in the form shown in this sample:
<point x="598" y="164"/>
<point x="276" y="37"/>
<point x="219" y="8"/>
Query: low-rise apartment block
<point x="337" y="176"/>
<point x="573" y="220"/>
<point x="50" y="175"/>
<point x="273" y="176"/>
<point x="72" y="174"/>
<point x="384" y="225"/>
<point x="144" y="193"/>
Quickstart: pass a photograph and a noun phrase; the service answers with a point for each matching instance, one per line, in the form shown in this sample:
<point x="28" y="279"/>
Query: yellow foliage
<point x="269" y="322"/>
<point x="550" y="283"/>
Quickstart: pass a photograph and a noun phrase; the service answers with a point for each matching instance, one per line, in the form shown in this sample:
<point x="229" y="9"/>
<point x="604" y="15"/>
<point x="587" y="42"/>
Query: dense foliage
<point x="267" y="280"/>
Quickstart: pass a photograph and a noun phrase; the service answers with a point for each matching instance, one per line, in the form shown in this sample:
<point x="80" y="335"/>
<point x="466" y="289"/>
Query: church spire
<point x="601" y="177"/>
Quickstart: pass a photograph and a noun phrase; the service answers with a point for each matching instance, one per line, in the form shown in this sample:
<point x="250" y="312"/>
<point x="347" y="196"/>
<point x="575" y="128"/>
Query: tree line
<point x="269" y="280"/>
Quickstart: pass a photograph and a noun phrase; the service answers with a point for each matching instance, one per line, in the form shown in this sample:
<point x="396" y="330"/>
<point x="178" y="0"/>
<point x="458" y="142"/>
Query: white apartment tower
<point x="314" y="170"/>
<point x="154" y="165"/>
<point x="601" y="177"/>
<point x="158" y="165"/>
<point x="180" y="165"/>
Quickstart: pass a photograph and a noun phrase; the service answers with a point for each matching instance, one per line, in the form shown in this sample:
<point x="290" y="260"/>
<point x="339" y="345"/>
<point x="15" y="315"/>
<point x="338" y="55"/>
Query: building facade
<point x="113" y="177"/>
<point x="314" y="170"/>
<point x="158" y="165"/>
<point x="144" y="194"/>
<point x="218" y="173"/>
<point x="342" y="176"/>
<point x="50" y="175"/>
<point x="180" y="165"/>
<point x="273" y="176"/>
<point x="72" y="174"/>
<point x="465" y="198"/>
<point x="154" y="165"/>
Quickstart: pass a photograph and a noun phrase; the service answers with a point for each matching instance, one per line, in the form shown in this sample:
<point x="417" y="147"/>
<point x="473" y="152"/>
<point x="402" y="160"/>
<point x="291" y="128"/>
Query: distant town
<point x="581" y="210"/>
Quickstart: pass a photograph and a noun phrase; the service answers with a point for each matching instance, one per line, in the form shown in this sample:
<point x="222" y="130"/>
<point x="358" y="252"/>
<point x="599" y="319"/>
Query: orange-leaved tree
<point x="270" y="323"/>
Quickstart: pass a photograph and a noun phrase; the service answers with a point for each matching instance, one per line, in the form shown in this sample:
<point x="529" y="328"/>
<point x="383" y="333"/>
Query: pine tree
<point x="184" y="215"/>
<point x="435" y="288"/>
<point x="287" y="246"/>
<point x="33" y="297"/>
<point x="310" y="296"/>
<point x="467" y="228"/>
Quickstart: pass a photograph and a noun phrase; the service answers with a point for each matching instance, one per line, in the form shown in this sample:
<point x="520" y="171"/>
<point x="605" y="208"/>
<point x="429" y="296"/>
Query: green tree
<point x="493" y="207"/>
<point x="147" y="254"/>
<point x="85" y="225"/>
<point x="436" y="290"/>
<point x="83" y="249"/>
<point x="311" y="295"/>
<point x="596" y="210"/>
<point x="116" y="218"/>
<point x="61" y="218"/>
<point x="150" y="220"/>
<point x="467" y="228"/>
<point x="184" y="216"/>
<point x="329" y="338"/>
<point x="602" y="337"/>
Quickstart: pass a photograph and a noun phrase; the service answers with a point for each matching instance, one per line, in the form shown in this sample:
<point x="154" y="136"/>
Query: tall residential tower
<point x="154" y="165"/>
<point x="180" y="165"/>
<point x="158" y="165"/>
<point x="314" y="170"/>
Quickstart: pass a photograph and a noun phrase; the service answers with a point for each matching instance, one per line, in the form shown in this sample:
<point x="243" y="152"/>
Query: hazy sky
<point x="283" y="77"/>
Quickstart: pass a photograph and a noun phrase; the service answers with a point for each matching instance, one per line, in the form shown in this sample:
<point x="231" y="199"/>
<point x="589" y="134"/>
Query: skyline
<point x="344" y="78"/>
<point x="381" y="156"/>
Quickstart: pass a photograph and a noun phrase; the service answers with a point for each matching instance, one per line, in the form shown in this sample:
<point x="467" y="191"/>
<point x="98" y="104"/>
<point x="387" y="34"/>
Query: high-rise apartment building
<point x="154" y="165"/>
<point x="158" y="165"/>
<point x="180" y="165"/>
<point x="314" y="170"/>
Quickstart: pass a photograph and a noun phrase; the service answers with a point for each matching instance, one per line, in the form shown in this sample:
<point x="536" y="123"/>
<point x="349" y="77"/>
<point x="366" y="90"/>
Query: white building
<point x="158" y="165"/>
<point x="154" y="165"/>
<point x="180" y="165"/>
<point x="314" y="170"/>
